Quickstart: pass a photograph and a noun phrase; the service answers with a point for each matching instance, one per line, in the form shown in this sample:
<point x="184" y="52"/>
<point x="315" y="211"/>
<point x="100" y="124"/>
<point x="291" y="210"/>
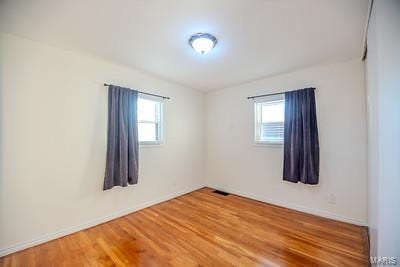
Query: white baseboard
<point x="312" y="211"/>
<point x="76" y="228"/>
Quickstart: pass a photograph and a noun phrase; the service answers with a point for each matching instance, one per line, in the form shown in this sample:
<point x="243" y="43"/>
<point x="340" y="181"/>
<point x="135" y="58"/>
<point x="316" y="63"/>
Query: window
<point x="269" y="119"/>
<point x="149" y="120"/>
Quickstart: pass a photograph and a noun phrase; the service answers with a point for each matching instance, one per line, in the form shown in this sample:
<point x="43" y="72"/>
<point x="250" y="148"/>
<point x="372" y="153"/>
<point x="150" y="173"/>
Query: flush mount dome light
<point x="202" y="42"/>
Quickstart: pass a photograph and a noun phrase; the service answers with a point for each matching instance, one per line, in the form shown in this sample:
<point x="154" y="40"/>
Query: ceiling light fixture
<point x="202" y="42"/>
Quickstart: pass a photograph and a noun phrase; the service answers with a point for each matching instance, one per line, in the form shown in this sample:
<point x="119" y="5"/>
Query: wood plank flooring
<point x="205" y="229"/>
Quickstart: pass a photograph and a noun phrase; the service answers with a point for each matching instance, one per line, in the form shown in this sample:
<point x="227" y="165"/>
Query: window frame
<point x="159" y="121"/>
<point x="258" y="117"/>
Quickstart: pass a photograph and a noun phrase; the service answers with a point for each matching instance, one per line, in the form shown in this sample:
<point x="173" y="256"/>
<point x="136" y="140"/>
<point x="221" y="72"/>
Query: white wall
<point x="234" y="163"/>
<point x="371" y="76"/>
<point x="383" y="83"/>
<point x="53" y="142"/>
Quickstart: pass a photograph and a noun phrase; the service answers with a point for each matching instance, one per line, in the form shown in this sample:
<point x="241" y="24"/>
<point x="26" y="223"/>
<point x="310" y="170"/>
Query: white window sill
<point x="268" y="144"/>
<point x="150" y="144"/>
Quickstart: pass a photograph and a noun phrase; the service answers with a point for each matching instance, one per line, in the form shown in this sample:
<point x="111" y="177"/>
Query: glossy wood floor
<point x="206" y="229"/>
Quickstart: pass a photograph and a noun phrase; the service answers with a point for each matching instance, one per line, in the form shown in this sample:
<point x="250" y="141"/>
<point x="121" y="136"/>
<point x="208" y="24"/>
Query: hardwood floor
<point x="205" y="229"/>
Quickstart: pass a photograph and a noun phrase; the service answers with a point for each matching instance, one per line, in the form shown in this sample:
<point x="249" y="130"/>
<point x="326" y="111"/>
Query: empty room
<point x="199" y="133"/>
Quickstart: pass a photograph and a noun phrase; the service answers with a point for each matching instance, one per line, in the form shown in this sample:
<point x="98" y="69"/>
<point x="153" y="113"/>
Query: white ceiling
<point x="256" y="38"/>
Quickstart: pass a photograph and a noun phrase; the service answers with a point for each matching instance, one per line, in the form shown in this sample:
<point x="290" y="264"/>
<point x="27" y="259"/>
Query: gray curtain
<point x="122" y="138"/>
<point x="301" y="145"/>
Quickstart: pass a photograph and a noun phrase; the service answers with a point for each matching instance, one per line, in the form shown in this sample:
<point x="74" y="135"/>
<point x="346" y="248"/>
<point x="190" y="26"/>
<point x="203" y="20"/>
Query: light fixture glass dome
<point x="202" y="42"/>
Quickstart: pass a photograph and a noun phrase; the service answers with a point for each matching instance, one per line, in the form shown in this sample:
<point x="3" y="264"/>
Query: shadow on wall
<point x="97" y="144"/>
<point x="1" y="136"/>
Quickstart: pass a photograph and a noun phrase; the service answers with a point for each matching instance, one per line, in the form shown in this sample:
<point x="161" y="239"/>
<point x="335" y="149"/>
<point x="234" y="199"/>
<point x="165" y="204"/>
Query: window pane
<point x="149" y="120"/>
<point x="147" y="132"/>
<point x="147" y="110"/>
<point x="270" y="117"/>
<point x="273" y="111"/>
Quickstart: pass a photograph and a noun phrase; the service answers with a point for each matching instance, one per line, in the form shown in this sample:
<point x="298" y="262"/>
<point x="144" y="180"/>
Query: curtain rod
<point x="257" y="96"/>
<point x="163" y="97"/>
